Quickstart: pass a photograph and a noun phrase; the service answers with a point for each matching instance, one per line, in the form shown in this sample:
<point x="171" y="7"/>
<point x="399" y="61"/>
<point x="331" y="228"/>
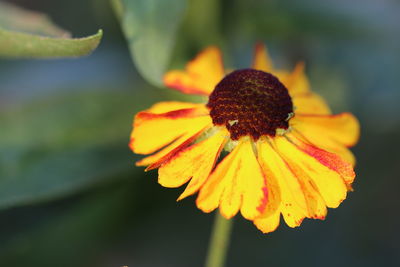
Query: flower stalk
<point x="219" y="242"/>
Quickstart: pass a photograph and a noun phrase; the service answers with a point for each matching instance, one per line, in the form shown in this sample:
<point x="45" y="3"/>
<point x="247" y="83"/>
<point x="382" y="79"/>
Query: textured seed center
<point x="250" y="102"/>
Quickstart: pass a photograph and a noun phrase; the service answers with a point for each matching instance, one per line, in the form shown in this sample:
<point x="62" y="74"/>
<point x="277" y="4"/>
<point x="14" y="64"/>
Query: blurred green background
<point x="70" y="194"/>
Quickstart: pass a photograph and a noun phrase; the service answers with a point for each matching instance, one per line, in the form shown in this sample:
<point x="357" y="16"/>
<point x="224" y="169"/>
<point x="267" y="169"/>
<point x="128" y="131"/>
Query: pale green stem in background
<point x="219" y="242"/>
<point x="118" y="8"/>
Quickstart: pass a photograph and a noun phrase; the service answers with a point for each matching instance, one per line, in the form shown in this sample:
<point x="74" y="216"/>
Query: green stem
<point x="219" y="242"/>
<point x="118" y="8"/>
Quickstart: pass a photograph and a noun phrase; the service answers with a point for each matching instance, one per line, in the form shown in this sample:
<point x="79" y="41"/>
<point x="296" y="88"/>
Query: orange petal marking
<point x="236" y="184"/>
<point x="194" y="162"/>
<point x="197" y="181"/>
<point x="327" y="144"/>
<point x="286" y="187"/>
<point x="318" y="166"/>
<point x="154" y="161"/>
<point x="201" y="74"/>
<point x="330" y="160"/>
<point x="256" y="196"/>
<point x="315" y="203"/>
<point x="158" y="158"/>
<point x="153" y="131"/>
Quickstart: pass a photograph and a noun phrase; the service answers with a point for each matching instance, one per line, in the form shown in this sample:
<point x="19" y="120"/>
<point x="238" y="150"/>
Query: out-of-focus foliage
<point x="150" y="28"/>
<point x="39" y="140"/>
<point x="15" y="44"/>
<point x="14" y="18"/>
<point x="22" y="45"/>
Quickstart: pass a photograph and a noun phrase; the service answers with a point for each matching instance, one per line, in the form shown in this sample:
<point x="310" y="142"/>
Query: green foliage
<point x="14" y="18"/>
<point x="150" y="28"/>
<point x="58" y="146"/>
<point x="24" y="45"/>
<point x="28" y="34"/>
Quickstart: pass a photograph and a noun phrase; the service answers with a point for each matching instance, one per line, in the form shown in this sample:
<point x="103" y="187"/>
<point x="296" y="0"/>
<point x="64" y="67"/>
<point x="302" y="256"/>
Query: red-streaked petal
<point x="197" y="181"/>
<point x="201" y="74"/>
<point x="154" y="161"/>
<point x="256" y="196"/>
<point x="293" y="204"/>
<point x="316" y="206"/>
<point x="327" y="144"/>
<point x="330" y="160"/>
<point x="195" y="161"/>
<point x="153" y="131"/>
<point x="318" y="166"/>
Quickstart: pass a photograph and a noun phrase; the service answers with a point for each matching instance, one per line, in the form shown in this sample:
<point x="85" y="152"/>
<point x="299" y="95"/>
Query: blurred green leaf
<point x="14" y="18"/>
<point x="60" y="145"/>
<point x="50" y="175"/>
<point x="68" y="120"/>
<point x="150" y="26"/>
<point x="25" y="45"/>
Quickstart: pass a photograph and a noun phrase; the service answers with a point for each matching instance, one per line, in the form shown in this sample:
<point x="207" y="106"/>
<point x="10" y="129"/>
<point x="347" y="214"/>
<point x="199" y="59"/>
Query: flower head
<point x="286" y="153"/>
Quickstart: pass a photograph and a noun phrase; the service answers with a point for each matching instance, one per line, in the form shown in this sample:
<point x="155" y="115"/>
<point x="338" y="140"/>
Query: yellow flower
<point x="286" y="153"/>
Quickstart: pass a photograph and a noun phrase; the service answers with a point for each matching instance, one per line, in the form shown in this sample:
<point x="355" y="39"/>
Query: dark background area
<point x="70" y="194"/>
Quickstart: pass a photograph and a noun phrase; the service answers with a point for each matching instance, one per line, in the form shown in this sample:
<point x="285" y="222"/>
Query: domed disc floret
<point x="250" y="103"/>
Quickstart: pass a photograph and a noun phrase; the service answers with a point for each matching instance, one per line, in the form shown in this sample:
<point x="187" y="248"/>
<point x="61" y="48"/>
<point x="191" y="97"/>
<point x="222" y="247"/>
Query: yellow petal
<point x="197" y="181"/>
<point x="269" y="223"/>
<point x="201" y="74"/>
<point x="195" y="161"/>
<point x="237" y="183"/>
<point x="272" y="184"/>
<point x="310" y="103"/>
<point x="314" y="203"/>
<point x="186" y="139"/>
<point x="210" y="194"/>
<point x="297" y="82"/>
<point x="153" y="131"/>
<point x="261" y="58"/>
<point x="256" y="196"/>
<point x="155" y="160"/>
<point x="342" y="128"/>
<point x="316" y="206"/>
<point x="330" y="160"/>
<point x="327" y="144"/>
<point x="167" y="106"/>
<point x="318" y="166"/>
<point x="293" y="203"/>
